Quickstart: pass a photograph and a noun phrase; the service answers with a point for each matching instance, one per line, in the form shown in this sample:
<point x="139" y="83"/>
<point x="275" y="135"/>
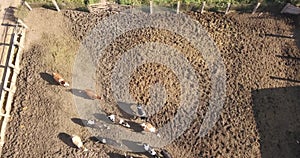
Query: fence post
<point x="228" y="7"/>
<point x="151" y="7"/>
<point x="22" y="23"/>
<point x="178" y="7"/>
<point x="27" y="5"/>
<point x="202" y="7"/>
<point x="256" y="7"/>
<point x="55" y="4"/>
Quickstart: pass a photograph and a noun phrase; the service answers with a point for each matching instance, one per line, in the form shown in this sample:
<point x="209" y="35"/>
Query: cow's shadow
<point x="66" y="138"/>
<point x="49" y="78"/>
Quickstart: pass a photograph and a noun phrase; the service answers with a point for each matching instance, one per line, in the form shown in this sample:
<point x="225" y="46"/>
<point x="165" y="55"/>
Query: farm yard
<point x="260" y="115"/>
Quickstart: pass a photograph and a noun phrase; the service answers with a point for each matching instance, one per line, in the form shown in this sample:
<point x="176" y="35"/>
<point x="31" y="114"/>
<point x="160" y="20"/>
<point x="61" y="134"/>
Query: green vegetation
<point x="139" y="2"/>
<point x="214" y="5"/>
<point x="65" y="1"/>
<point x="63" y="4"/>
<point x="132" y="2"/>
<point x="80" y="5"/>
<point x="21" y="12"/>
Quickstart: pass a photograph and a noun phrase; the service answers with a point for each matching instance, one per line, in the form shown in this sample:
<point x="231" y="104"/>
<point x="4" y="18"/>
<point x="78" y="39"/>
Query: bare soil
<point x="262" y="68"/>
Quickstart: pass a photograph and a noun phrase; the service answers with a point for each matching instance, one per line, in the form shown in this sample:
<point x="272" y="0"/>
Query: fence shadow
<point x="287" y="57"/>
<point x="284" y="79"/>
<point x="279" y="36"/>
<point x="277" y="115"/>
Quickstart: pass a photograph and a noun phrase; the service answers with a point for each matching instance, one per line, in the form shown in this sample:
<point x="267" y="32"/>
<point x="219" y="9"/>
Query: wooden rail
<point x="12" y="69"/>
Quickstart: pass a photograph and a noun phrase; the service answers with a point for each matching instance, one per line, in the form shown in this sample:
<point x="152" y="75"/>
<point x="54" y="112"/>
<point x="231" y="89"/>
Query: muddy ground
<point x="262" y="71"/>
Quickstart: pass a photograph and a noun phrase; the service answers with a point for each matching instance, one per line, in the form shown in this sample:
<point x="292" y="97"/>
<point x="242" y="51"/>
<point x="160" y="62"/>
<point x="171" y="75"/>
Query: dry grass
<point x="59" y="50"/>
<point x="22" y="12"/>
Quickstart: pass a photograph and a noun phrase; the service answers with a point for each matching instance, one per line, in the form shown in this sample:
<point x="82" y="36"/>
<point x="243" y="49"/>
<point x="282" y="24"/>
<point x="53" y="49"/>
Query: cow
<point x="147" y="127"/>
<point x="141" y="112"/>
<point x="78" y="143"/>
<point x="150" y="150"/>
<point x="92" y="94"/>
<point x="61" y="81"/>
<point x="119" y="120"/>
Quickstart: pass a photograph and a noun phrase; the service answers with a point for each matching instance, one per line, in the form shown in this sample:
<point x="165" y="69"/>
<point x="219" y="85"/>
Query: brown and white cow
<point x="58" y="78"/>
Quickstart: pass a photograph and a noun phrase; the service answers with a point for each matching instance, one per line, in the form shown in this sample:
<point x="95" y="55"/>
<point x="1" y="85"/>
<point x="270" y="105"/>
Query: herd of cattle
<point x="147" y="127"/>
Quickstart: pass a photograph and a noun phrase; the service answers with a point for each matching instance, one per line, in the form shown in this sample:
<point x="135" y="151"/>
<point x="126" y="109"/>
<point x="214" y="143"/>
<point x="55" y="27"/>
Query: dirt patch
<point x="42" y="112"/>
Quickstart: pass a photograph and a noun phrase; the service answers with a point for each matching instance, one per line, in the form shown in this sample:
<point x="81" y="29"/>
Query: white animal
<point x="112" y="117"/>
<point x="57" y="77"/>
<point x="90" y="122"/>
<point x="103" y="140"/>
<point x="141" y="112"/>
<point x="153" y="153"/>
<point x="146" y="147"/>
<point x="77" y="141"/>
<point x="123" y="123"/>
<point x="150" y="150"/>
<point x="116" y="119"/>
<point x="127" y="156"/>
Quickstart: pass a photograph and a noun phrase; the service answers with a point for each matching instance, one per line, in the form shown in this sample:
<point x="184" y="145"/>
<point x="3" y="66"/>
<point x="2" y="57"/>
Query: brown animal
<point x="57" y="77"/>
<point x="92" y="94"/>
<point x="148" y="127"/>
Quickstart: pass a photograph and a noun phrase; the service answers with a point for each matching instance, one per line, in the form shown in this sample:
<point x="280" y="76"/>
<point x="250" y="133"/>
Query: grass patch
<point x="76" y="2"/>
<point x="212" y="4"/>
<point x="80" y="5"/>
<point x="59" y="51"/>
<point x="21" y="12"/>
